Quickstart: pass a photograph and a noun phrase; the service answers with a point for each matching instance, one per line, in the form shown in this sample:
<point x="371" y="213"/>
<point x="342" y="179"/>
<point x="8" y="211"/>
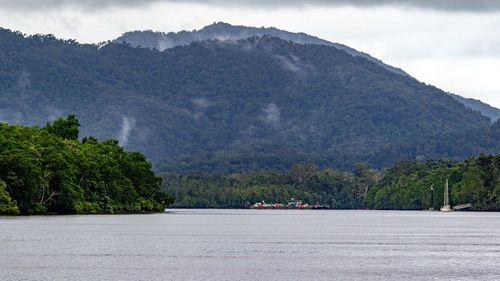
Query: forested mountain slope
<point x="255" y="103"/>
<point x="487" y="110"/>
<point x="454" y="145"/>
<point x="224" y="31"/>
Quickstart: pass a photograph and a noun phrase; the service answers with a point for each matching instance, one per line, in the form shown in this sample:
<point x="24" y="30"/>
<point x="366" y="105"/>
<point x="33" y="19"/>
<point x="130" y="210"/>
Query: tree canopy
<point x="48" y="170"/>
<point x="404" y="186"/>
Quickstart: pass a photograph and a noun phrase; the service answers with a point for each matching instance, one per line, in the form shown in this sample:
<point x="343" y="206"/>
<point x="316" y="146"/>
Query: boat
<point x="446" y="204"/>
<point x="462" y="207"/>
<point x="292" y="204"/>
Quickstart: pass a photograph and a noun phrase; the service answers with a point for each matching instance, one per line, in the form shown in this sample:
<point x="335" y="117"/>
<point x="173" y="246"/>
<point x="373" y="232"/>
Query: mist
<point x="127" y="125"/>
<point x="272" y="114"/>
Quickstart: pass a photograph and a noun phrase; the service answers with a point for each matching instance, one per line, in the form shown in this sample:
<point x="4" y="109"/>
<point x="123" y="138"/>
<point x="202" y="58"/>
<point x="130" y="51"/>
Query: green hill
<point x="485" y="109"/>
<point x="224" y="31"/>
<point x="453" y="145"/>
<point x="255" y="103"/>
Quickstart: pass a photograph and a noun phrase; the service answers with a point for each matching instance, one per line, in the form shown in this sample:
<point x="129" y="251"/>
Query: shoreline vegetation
<point x="49" y="171"/>
<point x="405" y="186"/>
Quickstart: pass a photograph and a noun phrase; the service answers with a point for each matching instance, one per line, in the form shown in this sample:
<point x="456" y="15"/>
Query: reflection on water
<point x="253" y="245"/>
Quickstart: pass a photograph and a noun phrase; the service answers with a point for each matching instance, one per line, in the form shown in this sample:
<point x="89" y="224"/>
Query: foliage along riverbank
<point x="405" y="186"/>
<point x="303" y="182"/>
<point x="48" y="170"/>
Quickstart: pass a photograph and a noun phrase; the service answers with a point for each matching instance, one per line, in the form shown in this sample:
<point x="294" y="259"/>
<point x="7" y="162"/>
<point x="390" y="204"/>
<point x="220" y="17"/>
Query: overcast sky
<point x="452" y="44"/>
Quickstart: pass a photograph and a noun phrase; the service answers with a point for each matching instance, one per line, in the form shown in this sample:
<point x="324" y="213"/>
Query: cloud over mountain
<point x="442" y="5"/>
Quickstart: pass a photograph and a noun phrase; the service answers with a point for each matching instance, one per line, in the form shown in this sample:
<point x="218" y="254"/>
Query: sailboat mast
<point x="446" y="196"/>
<point x="446" y="207"/>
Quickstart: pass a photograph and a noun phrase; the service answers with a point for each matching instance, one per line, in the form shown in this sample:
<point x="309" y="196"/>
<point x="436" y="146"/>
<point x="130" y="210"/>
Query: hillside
<point x="224" y="31"/>
<point x="255" y="103"/>
<point x="453" y="145"/>
<point x="487" y="110"/>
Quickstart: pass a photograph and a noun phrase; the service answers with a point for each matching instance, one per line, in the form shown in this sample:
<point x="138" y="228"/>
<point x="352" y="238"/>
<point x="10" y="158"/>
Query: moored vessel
<point x="446" y="200"/>
<point x="292" y="204"/>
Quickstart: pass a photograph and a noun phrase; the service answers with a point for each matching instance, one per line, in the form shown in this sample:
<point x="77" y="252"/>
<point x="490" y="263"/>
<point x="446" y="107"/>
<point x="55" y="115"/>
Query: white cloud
<point x="474" y="77"/>
<point x="94" y="5"/>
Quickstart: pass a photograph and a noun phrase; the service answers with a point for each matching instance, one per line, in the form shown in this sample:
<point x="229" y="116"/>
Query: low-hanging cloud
<point x="93" y="5"/>
<point x="126" y="127"/>
<point x="272" y="114"/>
<point x="202" y="103"/>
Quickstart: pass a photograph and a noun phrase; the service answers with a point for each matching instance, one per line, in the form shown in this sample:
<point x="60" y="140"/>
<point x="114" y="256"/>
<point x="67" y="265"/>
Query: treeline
<point x="405" y="186"/>
<point x="303" y="181"/>
<point x="48" y="170"/>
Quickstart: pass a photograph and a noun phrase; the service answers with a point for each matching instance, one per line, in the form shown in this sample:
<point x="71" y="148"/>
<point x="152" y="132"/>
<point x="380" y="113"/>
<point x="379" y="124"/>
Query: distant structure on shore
<point x="292" y="204"/>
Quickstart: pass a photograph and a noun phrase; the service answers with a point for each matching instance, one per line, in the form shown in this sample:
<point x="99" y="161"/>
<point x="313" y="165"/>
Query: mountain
<point x="487" y="110"/>
<point x="255" y="103"/>
<point x="224" y="31"/>
<point x="453" y="145"/>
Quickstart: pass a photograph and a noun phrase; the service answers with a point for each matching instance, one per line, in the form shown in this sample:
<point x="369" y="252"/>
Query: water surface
<point x="212" y="244"/>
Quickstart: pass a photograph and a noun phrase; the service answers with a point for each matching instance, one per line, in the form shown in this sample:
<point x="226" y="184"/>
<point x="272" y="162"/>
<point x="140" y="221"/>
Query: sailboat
<point x="446" y="207"/>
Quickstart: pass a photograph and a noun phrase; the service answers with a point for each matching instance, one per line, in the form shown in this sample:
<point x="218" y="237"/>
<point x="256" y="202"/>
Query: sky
<point x="451" y="44"/>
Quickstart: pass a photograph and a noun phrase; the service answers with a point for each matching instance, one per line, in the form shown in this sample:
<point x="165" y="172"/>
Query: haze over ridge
<point x="224" y="31"/>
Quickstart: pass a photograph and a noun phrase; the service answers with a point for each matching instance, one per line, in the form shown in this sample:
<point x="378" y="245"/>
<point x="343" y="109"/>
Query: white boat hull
<point x="446" y="208"/>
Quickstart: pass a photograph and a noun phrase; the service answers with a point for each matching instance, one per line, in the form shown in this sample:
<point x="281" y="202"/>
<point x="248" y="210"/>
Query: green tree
<point x="49" y="170"/>
<point x="8" y="206"/>
<point x="65" y="128"/>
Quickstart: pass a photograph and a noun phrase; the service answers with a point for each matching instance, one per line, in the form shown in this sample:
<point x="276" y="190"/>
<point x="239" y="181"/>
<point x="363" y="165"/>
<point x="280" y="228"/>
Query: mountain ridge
<point x="487" y="110"/>
<point x="255" y="103"/>
<point x="224" y="31"/>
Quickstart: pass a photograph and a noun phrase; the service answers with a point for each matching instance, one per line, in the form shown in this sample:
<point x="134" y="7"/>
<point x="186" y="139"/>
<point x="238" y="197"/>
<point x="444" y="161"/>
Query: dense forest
<point x="48" y="170"/>
<point x="487" y="110"/>
<point x="224" y="106"/>
<point x="405" y="186"/>
<point x="454" y="145"/>
<point x="162" y="41"/>
<point x="303" y="181"/>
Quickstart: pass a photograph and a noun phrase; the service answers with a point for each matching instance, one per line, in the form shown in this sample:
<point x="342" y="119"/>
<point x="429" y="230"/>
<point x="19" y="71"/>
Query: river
<point x="210" y="244"/>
